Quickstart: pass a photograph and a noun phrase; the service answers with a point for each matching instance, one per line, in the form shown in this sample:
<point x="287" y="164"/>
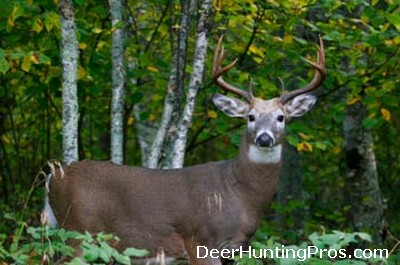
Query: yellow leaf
<point x="258" y="60"/>
<point x="152" y="69"/>
<point x="34" y="58"/>
<point x="386" y="114"/>
<point x="14" y="15"/>
<point x="82" y="45"/>
<point x="14" y="81"/>
<point x="288" y="39"/>
<point x="336" y="150"/>
<point x="6" y="139"/>
<point x="37" y="25"/>
<point x="152" y="117"/>
<point x="304" y="136"/>
<point x="276" y="39"/>
<point x="156" y="97"/>
<point x="352" y="101"/>
<point x="212" y="114"/>
<point x="218" y="5"/>
<point x="256" y="50"/>
<point x="26" y="64"/>
<point x="304" y="146"/>
<point x="131" y="120"/>
<point x="101" y="44"/>
<point x="97" y="30"/>
<point x="81" y="72"/>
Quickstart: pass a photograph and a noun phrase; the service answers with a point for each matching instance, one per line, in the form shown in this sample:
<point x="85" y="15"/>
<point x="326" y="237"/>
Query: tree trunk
<point x="145" y="134"/>
<point x="173" y="99"/>
<point x="118" y="83"/>
<point x="178" y="151"/>
<point x="69" y="59"/>
<point x="363" y="190"/>
<point x="290" y="189"/>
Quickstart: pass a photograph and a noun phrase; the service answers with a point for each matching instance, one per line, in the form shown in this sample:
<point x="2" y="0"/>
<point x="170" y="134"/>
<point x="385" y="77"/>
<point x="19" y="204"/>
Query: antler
<point x="319" y="76"/>
<point x="218" y="71"/>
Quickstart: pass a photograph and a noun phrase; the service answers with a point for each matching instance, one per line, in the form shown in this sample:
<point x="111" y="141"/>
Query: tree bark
<point x="178" y="150"/>
<point x="290" y="188"/>
<point x="118" y="84"/>
<point x="173" y="98"/>
<point x="363" y="190"/>
<point x="169" y="106"/>
<point x="69" y="59"/>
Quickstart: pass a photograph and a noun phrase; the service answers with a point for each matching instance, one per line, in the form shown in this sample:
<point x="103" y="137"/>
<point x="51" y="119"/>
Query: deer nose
<point x="264" y="140"/>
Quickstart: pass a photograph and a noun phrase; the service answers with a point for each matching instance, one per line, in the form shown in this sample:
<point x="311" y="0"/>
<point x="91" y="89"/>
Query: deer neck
<point x="256" y="171"/>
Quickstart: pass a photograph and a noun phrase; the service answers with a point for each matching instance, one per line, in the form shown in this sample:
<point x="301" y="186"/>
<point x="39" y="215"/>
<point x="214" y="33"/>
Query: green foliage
<point x="42" y="244"/>
<point x="319" y="249"/>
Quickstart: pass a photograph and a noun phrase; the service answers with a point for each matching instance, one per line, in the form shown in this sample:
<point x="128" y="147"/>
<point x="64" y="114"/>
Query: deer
<point x="181" y="213"/>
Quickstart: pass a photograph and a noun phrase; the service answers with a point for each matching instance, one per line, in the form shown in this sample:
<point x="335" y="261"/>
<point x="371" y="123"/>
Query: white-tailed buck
<point x="180" y="212"/>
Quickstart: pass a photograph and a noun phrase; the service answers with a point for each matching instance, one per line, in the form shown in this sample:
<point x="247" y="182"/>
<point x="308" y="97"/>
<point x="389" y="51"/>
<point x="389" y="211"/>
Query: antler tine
<point x="218" y="71"/>
<point x="319" y="76"/>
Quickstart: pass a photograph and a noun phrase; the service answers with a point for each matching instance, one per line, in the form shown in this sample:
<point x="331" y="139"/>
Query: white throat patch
<point x="271" y="155"/>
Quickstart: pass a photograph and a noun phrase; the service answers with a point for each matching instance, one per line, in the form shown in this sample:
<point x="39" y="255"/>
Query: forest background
<point x="342" y="160"/>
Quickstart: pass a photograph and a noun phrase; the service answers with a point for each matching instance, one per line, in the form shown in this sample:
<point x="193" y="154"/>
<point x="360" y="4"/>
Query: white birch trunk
<point x="69" y="59"/>
<point x="118" y="84"/>
<point x="178" y="150"/>
<point x="173" y="97"/>
<point x="156" y="147"/>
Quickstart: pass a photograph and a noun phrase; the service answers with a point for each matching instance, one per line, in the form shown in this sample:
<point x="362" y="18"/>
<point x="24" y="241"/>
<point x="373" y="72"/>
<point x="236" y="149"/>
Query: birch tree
<point x="118" y="83"/>
<point x="69" y="59"/>
<point x="179" y="144"/>
<point x="173" y="98"/>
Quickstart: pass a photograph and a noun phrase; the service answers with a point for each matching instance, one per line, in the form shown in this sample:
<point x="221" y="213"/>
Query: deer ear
<point x="300" y="105"/>
<point x="232" y="107"/>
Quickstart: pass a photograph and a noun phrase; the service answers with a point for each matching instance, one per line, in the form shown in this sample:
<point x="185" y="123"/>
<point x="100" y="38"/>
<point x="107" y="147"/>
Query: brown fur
<point x="217" y="205"/>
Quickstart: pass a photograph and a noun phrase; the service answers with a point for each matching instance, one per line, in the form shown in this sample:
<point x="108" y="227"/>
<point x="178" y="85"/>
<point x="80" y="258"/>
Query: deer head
<point x="265" y="118"/>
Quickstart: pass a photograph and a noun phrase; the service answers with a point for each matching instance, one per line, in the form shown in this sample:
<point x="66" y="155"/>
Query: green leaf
<point x="44" y="59"/>
<point x="4" y="65"/>
<point x="119" y="25"/>
<point x="135" y="252"/>
<point x="394" y="19"/>
<point x="364" y="236"/>
<point x="106" y="248"/>
<point x="373" y="123"/>
<point x="90" y="253"/>
<point x="51" y="21"/>
<point x="103" y="255"/>
<point x="121" y="258"/>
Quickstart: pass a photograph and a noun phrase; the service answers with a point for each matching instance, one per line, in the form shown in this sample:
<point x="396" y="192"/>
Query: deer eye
<point x="252" y="117"/>
<point x="280" y="118"/>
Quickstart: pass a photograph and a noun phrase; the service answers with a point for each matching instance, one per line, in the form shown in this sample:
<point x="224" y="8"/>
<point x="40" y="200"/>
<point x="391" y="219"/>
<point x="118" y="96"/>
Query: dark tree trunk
<point x="290" y="189"/>
<point x="362" y="189"/>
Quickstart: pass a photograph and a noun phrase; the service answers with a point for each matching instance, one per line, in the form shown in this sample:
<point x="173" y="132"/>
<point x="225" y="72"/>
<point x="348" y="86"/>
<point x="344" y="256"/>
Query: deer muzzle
<point x="264" y="140"/>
